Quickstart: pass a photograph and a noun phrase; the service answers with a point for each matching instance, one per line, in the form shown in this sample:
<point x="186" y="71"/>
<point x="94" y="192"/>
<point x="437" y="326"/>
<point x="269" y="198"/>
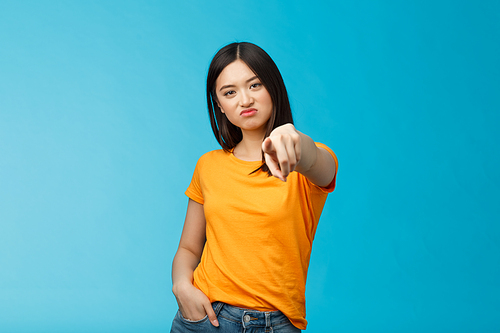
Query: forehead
<point x="235" y="72"/>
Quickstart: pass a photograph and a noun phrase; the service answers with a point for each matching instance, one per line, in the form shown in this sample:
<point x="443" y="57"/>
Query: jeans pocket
<point x="191" y="321"/>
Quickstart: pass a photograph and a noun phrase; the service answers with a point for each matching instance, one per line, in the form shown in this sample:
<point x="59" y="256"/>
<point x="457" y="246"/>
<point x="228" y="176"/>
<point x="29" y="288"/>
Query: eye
<point x="255" y="85"/>
<point x="229" y="92"/>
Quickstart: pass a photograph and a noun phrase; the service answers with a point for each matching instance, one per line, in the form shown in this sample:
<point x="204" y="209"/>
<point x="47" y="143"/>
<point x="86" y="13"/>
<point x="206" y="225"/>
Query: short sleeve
<point x="194" y="191"/>
<point x="330" y="187"/>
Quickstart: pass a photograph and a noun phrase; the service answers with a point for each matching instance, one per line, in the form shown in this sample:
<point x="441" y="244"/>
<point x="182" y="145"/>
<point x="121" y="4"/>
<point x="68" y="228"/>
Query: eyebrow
<point x="232" y="85"/>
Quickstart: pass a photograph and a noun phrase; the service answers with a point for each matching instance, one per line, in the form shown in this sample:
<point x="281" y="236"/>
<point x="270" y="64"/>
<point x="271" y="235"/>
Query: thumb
<point x="211" y="315"/>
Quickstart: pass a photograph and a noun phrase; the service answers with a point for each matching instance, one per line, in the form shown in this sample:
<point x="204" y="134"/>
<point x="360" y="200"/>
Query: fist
<point x="282" y="151"/>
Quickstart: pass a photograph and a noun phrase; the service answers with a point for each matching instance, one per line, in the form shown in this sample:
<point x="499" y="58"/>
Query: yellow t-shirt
<point x="259" y="234"/>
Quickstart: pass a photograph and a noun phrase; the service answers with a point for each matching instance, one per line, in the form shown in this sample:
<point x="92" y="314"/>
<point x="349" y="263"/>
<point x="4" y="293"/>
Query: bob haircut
<point x="227" y="134"/>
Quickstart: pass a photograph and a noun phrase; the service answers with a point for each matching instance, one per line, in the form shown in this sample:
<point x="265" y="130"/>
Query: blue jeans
<point x="236" y="320"/>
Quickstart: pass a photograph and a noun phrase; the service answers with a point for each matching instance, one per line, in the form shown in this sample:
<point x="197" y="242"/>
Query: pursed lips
<point x="248" y="112"/>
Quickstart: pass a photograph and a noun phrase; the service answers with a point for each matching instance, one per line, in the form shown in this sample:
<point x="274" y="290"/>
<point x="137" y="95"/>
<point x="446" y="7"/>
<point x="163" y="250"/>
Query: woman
<point x="242" y="260"/>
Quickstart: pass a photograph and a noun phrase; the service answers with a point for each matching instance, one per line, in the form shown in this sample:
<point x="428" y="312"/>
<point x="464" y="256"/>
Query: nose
<point x="246" y="99"/>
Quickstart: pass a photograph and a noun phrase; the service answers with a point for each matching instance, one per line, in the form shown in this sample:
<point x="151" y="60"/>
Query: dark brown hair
<point x="227" y="134"/>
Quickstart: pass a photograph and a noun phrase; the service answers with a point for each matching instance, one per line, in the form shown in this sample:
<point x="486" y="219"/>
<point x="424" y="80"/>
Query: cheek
<point x="224" y="106"/>
<point x="268" y="100"/>
<point x="220" y="103"/>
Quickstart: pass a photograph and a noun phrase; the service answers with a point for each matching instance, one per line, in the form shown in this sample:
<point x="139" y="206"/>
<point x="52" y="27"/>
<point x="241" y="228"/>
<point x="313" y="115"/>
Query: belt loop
<point x="218" y="307"/>
<point x="268" y="319"/>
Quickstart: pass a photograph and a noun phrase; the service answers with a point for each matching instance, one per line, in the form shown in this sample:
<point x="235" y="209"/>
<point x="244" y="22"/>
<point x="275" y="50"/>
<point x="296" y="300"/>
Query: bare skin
<point x="285" y="150"/>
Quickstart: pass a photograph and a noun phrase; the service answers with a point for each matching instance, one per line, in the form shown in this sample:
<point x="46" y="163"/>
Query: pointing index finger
<point x="267" y="146"/>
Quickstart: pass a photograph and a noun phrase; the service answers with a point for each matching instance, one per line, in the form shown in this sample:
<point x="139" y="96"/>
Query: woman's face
<point x="243" y="98"/>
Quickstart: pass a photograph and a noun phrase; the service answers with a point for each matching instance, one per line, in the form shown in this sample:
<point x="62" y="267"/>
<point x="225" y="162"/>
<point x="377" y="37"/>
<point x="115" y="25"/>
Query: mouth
<point x="248" y="112"/>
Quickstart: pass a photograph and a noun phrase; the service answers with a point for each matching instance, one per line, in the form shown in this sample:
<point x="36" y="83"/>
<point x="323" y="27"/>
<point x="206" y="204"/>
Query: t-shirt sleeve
<point x="330" y="187"/>
<point x="194" y="191"/>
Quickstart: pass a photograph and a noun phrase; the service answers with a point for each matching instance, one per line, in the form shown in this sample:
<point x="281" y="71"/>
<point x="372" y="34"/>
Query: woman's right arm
<point x="193" y="303"/>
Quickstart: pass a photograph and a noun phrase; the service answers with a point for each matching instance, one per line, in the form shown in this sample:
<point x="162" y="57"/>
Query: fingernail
<point x="215" y="322"/>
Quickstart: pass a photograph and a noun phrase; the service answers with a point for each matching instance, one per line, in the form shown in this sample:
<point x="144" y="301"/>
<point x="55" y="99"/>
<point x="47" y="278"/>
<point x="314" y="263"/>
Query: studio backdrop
<point x="103" y="117"/>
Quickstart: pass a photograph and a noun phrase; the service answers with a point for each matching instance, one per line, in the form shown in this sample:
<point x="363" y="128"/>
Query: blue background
<point x="103" y="116"/>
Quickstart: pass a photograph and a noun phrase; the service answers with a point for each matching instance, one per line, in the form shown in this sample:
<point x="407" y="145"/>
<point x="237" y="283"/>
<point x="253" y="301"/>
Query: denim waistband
<point x="250" y="318"/>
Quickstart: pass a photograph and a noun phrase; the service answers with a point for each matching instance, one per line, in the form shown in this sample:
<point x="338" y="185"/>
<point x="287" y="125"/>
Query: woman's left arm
<point x="287" y="149"/>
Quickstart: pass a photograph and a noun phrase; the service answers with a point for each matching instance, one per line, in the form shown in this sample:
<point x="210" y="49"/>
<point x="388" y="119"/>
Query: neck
<point x="250" y="147"/>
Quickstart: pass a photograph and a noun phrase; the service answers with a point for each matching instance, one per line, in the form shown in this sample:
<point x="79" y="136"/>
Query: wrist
<point x="180" y="286"/>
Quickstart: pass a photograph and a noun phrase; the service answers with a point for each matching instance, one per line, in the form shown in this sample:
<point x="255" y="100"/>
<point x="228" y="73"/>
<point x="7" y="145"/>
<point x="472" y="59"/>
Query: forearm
<point x="315" y="163"/>
<point x="308" y="154"/>
<point x="183" y="266"/>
